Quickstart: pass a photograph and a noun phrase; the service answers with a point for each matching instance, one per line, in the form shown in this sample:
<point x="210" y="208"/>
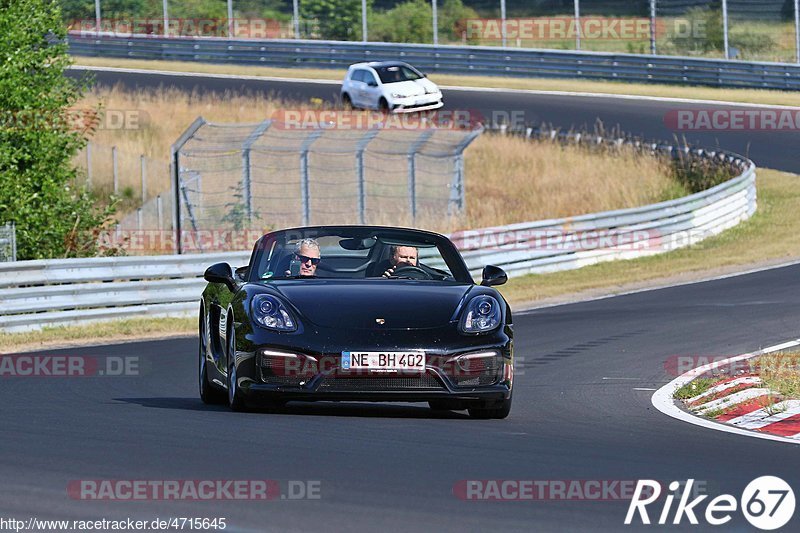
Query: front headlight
<point x="270" y="313"/>
<point x="482" y="315"/>
<point x="399" y="95"/>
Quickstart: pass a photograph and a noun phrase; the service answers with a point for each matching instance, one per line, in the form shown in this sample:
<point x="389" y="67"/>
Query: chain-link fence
<point x="8" y="243"/>
<point x="737" y="29"/>
<point x="267" y="175"/>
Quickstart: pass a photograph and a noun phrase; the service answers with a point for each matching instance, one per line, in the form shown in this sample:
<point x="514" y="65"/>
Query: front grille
<point x="393" y="383"/>
<point x="474" y="372"/>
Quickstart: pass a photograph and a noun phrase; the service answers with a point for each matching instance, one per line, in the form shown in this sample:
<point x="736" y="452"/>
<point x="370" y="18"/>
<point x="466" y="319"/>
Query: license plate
<point x="383" y="361"/>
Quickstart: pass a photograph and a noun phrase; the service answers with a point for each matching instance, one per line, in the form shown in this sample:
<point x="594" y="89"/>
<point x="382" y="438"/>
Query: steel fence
<point x="280" y="174"/>
<point x="463" y="60"/>
<point x="745" y="29"/>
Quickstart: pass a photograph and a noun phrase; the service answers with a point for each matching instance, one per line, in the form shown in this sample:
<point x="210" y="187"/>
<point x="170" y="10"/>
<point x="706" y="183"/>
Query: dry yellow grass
<point x="508" y="179"/>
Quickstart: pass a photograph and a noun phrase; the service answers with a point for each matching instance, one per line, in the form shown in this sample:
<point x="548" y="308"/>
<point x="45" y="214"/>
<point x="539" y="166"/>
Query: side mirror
<point x="221" y="273"/>
<point x="372" y="83"/>
<point x="493" y="275"/>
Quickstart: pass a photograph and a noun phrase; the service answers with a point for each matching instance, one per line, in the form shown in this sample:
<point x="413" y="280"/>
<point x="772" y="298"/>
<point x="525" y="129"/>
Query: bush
<point x="37" y="141"/>
<point x="338" y="20"/>
<point x="409" y="22"/>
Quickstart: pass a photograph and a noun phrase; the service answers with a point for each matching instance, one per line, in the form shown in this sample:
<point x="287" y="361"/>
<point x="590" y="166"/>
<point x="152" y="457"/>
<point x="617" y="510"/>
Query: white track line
<point x="541" y="92"/>
<point x="664" y="402"/>
<point x="750" y="380"/>
<point x="762" y="417"/>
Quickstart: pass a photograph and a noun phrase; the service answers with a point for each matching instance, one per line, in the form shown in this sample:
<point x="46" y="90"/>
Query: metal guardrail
<point x="484" y="60"/>
<point x="36" y="294"/>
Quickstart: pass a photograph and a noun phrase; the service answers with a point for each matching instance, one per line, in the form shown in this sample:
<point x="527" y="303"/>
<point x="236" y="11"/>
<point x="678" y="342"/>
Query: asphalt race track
<point x="642" y="118"/>
<point x="577" y="412"/>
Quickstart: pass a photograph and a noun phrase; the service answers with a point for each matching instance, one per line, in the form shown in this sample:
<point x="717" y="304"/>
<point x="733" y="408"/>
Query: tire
<point x="210" y="394"/>
<point x="235" y="398"/>
<point x="383" y="105"/>
<point x="485" y="413"/>
<point x="347" y="102"/>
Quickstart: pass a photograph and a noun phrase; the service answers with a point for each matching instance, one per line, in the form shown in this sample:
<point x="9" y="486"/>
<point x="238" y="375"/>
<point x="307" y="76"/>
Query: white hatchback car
<point x="391" y="86"/>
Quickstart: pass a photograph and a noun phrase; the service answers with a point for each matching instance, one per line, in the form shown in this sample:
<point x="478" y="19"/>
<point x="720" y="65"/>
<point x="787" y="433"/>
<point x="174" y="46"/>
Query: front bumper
<point x="413" y="107"/>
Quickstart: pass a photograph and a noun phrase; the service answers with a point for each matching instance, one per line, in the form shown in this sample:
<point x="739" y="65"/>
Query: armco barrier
<point x="486" y="60"/>
<point x="35" y="294"/>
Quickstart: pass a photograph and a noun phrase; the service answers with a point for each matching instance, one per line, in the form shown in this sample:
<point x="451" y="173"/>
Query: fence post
<point x="797" y="28"/>
<point x="114" y="169"/>
<point x="364" y="20"/>
<point x="160" y="211"/>
<point x="412" y="171"/>
<point x="577" y="24"/>
<point x="247" y="189"/>
<point x="362" y="183"/>
<point x="296" y="18"/>
<point x="97" y="16"/>
<point x="435" y="9"/>
<point x="143" y="167"/>
<point x="457" y="190"/>
<point x="653" y="16"/>
<point x="304" y="181"/>
<point x="175" y="174"/>
<point x="139" y="219"/>
<point x="230" y="19"/>
<point x="166" y="18"/>
<point x="503" y="25"/>
<point x="725" y="28"/>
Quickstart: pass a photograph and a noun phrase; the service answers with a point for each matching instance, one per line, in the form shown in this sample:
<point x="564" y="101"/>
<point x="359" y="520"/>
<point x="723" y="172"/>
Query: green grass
<point x="694" y="388"/>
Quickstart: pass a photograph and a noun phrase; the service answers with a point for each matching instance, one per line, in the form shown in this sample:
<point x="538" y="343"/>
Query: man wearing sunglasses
<point x="306" y="253"/>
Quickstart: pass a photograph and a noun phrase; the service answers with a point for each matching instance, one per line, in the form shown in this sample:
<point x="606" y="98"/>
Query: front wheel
<point x="235" y="399"/>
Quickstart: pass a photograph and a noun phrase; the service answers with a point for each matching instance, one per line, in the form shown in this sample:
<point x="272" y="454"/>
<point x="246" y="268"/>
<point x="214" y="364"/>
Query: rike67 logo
<point x="767" y="503"/>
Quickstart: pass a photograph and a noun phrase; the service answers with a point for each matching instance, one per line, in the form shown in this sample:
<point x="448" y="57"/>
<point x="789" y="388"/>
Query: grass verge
<point x="750" y="96"/>
<point x="105" y="332"/>
<point x="780" y="372"/>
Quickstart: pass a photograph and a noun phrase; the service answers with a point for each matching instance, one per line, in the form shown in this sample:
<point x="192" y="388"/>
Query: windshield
<point x="396" y="73"/>
<point x="357" y="253"/>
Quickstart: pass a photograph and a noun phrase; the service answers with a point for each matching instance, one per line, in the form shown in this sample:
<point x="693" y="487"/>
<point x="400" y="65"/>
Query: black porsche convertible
<point x="356" y="313"/>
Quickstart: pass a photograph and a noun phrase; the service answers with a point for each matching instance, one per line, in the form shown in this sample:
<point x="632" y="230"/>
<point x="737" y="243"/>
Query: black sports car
<point x="360" y="313"/>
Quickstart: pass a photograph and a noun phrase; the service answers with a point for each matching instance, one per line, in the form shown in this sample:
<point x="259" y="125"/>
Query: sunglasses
<point x="306" y="259"/>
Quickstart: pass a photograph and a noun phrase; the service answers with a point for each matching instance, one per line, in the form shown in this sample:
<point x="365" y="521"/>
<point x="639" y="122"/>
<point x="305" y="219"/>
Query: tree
<point x="38" y="141"/>
<point x="338" y="20"/>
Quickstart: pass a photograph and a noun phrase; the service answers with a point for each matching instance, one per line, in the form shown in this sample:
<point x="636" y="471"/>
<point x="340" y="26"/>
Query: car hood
<point x="412" y="87"/>
<point x="402" y="304"/>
